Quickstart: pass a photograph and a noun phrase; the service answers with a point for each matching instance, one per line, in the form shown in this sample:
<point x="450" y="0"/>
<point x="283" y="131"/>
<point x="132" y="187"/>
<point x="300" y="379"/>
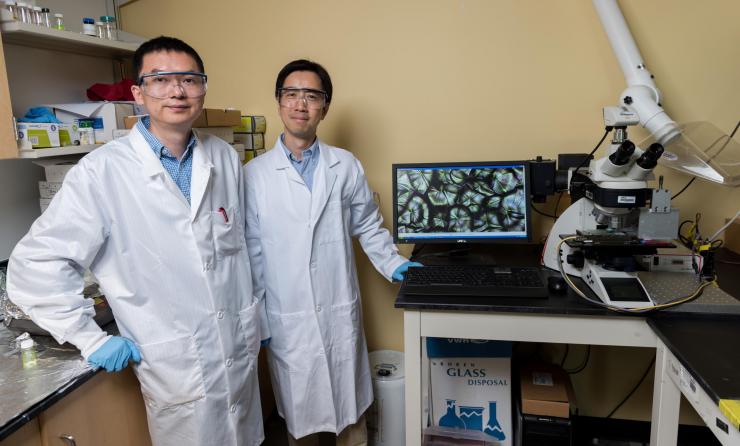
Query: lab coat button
<point x="220" y="315"/>
<point x="229" y="362"/>
<point x="232" y="408"/>
<point x="318" y="308"/>
<point x="313" y="264"/>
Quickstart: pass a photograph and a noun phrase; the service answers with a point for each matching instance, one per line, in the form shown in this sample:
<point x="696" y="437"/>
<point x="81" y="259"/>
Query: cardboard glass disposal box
<point x="55" y="169"/>
<point x="470" y="387"/>
<point x="111" y="113"/>
<point x="38" y="135"/>
<point x="217" y="117"/>
<point x="545" y="391"/>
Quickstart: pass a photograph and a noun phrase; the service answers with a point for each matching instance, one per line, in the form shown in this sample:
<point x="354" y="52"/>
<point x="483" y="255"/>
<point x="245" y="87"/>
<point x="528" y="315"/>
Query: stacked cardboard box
<point x="55" y="171"/>
<point x="251" y="133"/>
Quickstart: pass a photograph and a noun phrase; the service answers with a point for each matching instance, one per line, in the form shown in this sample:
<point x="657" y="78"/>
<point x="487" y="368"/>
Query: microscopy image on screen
<point x="461" y="200"/>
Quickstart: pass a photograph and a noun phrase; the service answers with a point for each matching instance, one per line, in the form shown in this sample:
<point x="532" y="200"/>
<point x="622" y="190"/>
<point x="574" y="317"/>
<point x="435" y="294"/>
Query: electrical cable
<point x="565" y="355"/>
<point x="634" y="389"/>
<point x="637" y="310"/>
<point x="542" y="213"/>
<point x="588" y="157"/>
<point x="583" y="364"/>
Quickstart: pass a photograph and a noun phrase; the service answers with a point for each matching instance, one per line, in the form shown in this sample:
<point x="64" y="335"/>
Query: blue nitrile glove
<point x="40" y="114"/>
<point x="265" y="342"/>
<point x="401" y="270"/>
<point x="115" y="354"/>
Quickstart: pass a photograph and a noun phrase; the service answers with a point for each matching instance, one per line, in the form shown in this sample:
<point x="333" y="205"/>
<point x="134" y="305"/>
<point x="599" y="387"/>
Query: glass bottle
<point x="88" y="27"/>
<point x="36" y="15"/>
<point x="450" y="419"/>
<point x="100" y="29"/>
<point x="493" y="427"/>
<point x="109" y="22"/>
<point x="28" y="353"/>
<point x="12" y="11"/>
<point x="45" y="17"/>
<point x="59" y="21"/>
<point x="23" y="12"/>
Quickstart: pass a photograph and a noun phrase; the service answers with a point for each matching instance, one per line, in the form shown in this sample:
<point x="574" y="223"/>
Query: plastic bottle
<point x="100" y="30"/>
<point x="58" y="21"/>
<point x="109" y="23"/>
<point x="45" y="17"/>
<point x="28" y="353"/>
<point x="88" y="27"/>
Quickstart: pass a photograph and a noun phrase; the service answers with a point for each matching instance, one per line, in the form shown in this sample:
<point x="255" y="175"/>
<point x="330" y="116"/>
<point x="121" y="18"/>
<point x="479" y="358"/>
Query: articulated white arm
<point x="641" y="94"/>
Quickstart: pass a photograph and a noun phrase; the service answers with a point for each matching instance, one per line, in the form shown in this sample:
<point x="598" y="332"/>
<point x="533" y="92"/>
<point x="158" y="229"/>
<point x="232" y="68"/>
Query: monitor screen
<point x="480" y="202"/>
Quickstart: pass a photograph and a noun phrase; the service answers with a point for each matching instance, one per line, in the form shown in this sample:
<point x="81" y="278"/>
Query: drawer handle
<point x="68" y="440"/>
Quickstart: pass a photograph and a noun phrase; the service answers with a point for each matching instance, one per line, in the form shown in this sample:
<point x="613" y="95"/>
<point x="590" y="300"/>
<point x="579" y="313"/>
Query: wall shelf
<point x="67" y="41"/>
<point x="57" y="151"/>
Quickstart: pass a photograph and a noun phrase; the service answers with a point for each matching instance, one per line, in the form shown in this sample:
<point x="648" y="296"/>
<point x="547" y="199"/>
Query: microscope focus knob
<point x="576" y="259"/>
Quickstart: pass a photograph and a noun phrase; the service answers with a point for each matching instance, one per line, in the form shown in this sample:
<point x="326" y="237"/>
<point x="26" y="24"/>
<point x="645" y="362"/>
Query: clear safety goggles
<point x="165" y="84"/>
<point x="290" y="97"/>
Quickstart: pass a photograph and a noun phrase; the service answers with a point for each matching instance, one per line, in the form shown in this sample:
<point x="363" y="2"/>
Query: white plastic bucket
<point x="386" y="420"/>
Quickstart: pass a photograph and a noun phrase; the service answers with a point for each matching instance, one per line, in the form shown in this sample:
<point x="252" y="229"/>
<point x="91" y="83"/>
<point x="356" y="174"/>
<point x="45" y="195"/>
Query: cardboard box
<point x="38" y="135"/>
<point x="120" y="133"/>
<point x="470" y="387"/>
<point x="252" y="124"/>
<point x="69" y="135"/>
<point x="55" y="169"/>
<point x="545" y="390"/>
<point x="225" y="133"/>
<point x="251" y="141"/>
<point x="130" y="121"/>
<point x="216" y="117"/>
<point x="240" y="150"/>
<point x="111" y="113"/>
<point x="48" y="189"/>
<point x="44" y="203"/>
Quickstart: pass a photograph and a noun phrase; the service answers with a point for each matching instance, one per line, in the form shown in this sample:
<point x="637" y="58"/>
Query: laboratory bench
<point x="62" y="396"/>
<point x="566" y="318"/>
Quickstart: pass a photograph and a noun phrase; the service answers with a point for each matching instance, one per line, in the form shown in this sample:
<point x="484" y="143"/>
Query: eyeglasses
<point x="314" y="99"/>
<point x="160" y="85"/>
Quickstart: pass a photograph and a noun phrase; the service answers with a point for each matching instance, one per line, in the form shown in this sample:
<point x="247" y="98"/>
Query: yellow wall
<point x="456" y="80"/>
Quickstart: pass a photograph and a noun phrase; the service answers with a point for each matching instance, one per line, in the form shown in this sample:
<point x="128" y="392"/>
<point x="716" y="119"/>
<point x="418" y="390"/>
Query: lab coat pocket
<point x="228" y="233"/>
<point x="170" y="373"/>
<point x="345" y="329"/>
<point x="330" y="228"/>
<point x="250" y="323"/>
<point x="291" y="338"/>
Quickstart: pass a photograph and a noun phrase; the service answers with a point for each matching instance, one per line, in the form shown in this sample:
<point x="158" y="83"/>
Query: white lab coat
<point x="300" y="244"/>
<point x="177" y="278"/>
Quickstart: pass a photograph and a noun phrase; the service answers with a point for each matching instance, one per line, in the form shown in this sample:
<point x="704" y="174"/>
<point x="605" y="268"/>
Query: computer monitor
<point x="480" y="202"/>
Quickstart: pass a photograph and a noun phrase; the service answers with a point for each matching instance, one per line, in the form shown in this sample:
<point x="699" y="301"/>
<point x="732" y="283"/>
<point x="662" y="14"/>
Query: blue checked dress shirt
<point x="307" y="166"/>
<point x="181" y="170"/>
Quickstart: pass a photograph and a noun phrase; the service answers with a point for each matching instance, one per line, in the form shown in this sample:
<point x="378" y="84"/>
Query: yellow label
<point x="731" y="409"/>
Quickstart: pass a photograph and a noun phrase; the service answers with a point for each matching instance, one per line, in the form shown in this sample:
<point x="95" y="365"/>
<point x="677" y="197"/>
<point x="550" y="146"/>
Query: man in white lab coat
<point x="305" y="202"/>
<point x="158" y="217"/>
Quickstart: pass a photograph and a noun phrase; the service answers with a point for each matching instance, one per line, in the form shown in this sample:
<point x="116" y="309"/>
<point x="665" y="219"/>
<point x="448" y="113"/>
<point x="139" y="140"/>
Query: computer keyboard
<point x="475" y="280"/>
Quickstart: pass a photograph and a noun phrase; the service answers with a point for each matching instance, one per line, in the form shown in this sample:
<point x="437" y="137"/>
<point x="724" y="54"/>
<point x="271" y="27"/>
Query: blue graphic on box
<point x="471" y="418"/>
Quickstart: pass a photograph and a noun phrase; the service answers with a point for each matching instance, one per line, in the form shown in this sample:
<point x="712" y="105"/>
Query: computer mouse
<point x="556" y="285"/>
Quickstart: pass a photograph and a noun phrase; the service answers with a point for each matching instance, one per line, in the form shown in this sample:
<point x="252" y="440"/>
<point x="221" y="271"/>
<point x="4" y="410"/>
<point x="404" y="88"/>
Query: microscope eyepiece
<point x="623" y="154"/>
<point x="649" y="158"/>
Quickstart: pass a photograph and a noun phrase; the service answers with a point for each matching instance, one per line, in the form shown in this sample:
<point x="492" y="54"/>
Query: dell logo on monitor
<point x="462" y="240"/>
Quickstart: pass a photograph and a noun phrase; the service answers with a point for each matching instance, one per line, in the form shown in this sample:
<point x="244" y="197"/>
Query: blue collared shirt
<point x="180" y="170"/>
<point x="307" y="166"/>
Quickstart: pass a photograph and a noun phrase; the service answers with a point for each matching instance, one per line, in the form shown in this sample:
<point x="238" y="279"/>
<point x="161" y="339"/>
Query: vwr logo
<point x="466" y="341"/>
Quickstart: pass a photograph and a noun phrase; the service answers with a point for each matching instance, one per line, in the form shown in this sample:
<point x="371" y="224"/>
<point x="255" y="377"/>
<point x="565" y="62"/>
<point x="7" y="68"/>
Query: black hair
<point x="305" y="65"/>
<point x="163" y="43"/>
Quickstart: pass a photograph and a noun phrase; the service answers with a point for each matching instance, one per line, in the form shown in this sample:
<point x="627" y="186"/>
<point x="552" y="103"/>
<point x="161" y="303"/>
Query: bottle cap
<point x="26" y="343"/>
<point x="88" y="20"/>
<point x="45" y="10"/>
<point x="58" y="15"/>
<point x="37" y="8"/>
<point x="107" y="18"/>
